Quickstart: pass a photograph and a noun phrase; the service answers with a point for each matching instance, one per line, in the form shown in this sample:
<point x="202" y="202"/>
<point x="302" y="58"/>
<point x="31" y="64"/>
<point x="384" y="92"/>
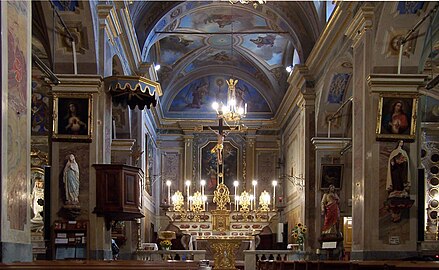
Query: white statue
<point x="71" y="180"/>
<point x="37" y="195"/>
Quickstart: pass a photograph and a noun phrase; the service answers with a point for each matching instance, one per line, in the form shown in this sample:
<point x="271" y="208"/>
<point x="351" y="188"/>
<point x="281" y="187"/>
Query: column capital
<point x="362" y="22"/>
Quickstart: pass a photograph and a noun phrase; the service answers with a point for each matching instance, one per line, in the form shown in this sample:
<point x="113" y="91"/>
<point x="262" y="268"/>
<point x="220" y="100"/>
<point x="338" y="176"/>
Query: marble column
<point x="306" y="104"/>
<point x="15" y="237"/>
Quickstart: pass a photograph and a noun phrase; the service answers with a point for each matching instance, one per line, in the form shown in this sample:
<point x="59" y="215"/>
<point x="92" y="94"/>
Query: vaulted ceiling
<point x="200" y="45"/>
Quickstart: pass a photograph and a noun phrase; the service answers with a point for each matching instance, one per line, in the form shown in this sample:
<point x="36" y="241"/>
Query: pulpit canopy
<point x="133" y="91"/>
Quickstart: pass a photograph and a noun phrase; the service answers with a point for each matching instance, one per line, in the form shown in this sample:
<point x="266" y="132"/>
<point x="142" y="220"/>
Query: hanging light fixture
<point x="245" y="2"/>
<point x="232" y="112"/>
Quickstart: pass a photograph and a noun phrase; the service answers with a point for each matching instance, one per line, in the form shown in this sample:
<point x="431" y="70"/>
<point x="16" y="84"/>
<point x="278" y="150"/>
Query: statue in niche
<point x="398" y="182"/>
<point x="398" y="173"/>
<point x="71" y="181"/>
<point x="37" y="205"/>
<point x="331" y="211"/>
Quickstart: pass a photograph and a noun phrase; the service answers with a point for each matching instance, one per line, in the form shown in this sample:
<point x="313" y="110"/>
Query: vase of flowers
<point x="299" y="235"/>
<point x="166" y="244"/>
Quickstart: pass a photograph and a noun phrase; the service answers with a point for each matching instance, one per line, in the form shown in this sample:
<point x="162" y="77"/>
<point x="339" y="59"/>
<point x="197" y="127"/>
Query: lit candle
<point x="274" y="193"/>
<point x="168" y="183"/>
<point x="235" y="184"/>
<point x="188" y="184"/>
<point x="254" y="182"/>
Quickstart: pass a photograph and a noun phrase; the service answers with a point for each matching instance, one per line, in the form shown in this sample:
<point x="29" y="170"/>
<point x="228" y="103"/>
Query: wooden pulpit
<point x="118" y="192"/>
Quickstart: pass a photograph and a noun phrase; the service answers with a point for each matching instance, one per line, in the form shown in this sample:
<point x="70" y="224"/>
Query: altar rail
<point x="346" y="265"/>
<point x="164" y="255"/>
<point x="252" y="258"/>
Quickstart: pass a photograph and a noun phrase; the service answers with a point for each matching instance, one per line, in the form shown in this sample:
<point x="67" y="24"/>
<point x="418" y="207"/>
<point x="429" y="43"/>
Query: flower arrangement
<point x="299" y="234"/>
<point x="166" y="244"/>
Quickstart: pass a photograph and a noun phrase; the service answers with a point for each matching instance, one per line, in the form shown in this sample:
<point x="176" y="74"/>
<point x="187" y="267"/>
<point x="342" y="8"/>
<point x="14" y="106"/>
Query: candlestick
<point x="168" y="183"/>
<point x="274" y="193"/>
<point x="188" y="184"/>
<point x="254" y="182"/>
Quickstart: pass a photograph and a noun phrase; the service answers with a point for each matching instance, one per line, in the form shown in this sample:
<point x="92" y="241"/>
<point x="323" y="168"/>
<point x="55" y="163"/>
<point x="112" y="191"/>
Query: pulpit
<point x="118" y="189"/>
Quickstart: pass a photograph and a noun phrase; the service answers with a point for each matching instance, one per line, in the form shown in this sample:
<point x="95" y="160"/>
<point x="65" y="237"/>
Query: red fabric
<point x="331" y="216"/>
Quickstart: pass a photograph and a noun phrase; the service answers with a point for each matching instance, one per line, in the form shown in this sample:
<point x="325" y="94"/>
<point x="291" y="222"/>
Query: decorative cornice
<point x="330" y="144"/>
<point x="407" y="83"/>
<point x="78" y="83"/>
<point x="362" y="22"/>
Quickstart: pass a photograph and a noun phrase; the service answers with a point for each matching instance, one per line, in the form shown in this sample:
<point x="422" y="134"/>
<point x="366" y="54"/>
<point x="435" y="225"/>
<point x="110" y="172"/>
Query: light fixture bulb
<point x="157" y="67"/>
<point x="235" y="183"/>
<point x="274" y="183"/>
<point x="168" y="183"/>
<point x="188" y="183"/>
<point x="203" y="183"/>
<point x="215" y="106"/>
<point x="254" y="182"/>
<point x="289" y="69"/>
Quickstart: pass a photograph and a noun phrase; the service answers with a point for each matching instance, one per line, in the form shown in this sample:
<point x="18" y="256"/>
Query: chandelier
<point x="231" y="112"/>
<point x="255" y="2"/>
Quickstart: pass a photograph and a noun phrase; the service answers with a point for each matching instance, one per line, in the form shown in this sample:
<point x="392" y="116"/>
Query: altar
<point x="224" y="249"/>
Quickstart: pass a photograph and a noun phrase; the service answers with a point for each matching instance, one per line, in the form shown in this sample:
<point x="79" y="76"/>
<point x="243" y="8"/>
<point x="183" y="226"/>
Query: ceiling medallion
<point x="255" y="2"/>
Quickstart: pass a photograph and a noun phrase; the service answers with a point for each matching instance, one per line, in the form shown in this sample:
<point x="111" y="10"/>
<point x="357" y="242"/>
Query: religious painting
<point x="209" y="163"/>
<point x="337" y="89"/>
<point x="72" y="116"/>
<point x="332" y="174"/>
<point x="397" y="117"/>
<point x="40" y="107"/>
<point x="196" y="98"/>
<point x="149" y="162"/>
<point x="430" y="110"/>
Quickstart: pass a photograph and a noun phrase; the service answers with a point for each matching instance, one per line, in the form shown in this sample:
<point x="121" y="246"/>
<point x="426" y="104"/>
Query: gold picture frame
<point x="331" y="174"/>
<point x="397" y="114"/>
<point x="72" y="117"/>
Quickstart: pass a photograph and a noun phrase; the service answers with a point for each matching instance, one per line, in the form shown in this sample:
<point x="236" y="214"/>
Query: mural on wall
<point x="209" y="163"/>
<point x="17" y="148"/>
<point x="430" y="110"/>
<point x="338" y="87"/>
<point x="67" y="5"/>
<point x="171" y="172"/>
<point x="409" y="7"/>
<point x="197" y="97"/>
<point x="40" y="108"/>
<point x="149" y="164"/>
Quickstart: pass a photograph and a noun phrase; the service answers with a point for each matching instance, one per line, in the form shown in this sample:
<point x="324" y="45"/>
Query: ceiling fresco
<point x="197" y="42"/>
<point x="196" y="98"/>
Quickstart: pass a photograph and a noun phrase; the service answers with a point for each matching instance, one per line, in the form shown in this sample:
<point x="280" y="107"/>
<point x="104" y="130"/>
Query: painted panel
<point x="409" y="7"/>
<point x="175" y="47"/>
<point x="41" y="113"/>
<point x="269" y="47"/>
<point x="209" y="163"/>
<point x="266" y="166"/>
<point x="430" y="110"/>
<point x="197" y="96"/>
<point x="337" y="89"/>
<point x="171" y="172"/>
<point x="18" y="124"/>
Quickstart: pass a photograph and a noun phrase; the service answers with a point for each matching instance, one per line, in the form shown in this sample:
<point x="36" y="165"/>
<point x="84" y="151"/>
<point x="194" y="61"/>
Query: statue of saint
<point x="71" y="181"/>
<point x="331" y="211"/>
<point x="398" y="173"/>
<point x="37" y="198"/>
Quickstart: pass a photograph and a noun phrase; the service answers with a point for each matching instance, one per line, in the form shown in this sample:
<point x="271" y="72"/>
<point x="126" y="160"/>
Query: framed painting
<point x="397" y="117"/>
<point x="72" y="116"/>
<point x="332" y="174"/>
<point x="209" y="161"/>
